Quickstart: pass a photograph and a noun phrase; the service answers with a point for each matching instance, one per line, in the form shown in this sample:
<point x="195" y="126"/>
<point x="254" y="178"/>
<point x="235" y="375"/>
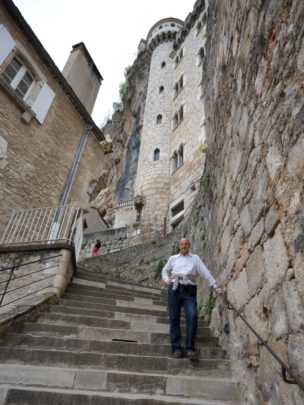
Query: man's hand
<point x="169" y="281"/>
<point x="219" y="290"/>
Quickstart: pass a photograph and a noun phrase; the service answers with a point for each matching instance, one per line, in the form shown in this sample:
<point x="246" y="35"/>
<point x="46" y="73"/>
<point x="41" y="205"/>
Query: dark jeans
<point x="184" y="296"/>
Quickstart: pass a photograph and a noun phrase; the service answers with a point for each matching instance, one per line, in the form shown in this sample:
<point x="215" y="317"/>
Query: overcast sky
<point x="111" y="31"/>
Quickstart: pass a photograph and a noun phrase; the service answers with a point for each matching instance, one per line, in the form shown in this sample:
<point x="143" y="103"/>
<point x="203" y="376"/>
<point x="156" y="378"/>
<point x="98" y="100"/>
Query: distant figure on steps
<point x="96" y="248"/>
<point x="179" y="275"/>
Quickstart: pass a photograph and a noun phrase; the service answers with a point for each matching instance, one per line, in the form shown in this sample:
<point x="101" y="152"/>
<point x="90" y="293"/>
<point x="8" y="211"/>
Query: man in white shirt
<point x="179" y="274"/>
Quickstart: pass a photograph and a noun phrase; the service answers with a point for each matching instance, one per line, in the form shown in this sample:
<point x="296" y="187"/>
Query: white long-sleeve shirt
<point x="180" y="266"/>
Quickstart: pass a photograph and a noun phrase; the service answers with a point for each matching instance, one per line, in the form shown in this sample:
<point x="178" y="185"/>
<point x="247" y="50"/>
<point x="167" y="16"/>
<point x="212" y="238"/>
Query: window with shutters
<point x="19" y="78"/>
<point x="22" y="79"/>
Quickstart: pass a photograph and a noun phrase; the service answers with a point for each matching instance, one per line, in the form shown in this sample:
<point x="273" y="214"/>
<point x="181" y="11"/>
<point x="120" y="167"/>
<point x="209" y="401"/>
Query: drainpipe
<point x="69" y="183"/>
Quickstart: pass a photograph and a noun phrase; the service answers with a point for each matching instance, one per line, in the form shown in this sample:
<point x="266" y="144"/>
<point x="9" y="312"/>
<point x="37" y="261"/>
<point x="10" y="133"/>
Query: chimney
<point x="83" y="76"/>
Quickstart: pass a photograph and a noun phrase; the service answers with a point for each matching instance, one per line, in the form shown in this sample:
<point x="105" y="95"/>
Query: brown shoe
<point x="194" y="356"/>
<point x="177" y="354"/>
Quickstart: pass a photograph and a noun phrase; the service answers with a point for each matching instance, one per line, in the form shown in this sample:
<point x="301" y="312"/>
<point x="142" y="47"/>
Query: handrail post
<point x="6" y="286"/>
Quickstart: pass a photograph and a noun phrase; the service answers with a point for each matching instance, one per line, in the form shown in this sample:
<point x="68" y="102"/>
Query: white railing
<point x="60" y="223"/>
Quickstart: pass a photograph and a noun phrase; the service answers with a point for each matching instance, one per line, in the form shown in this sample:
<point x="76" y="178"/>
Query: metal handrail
<point x="13" y="268"/>
<point x="285" y="368"/>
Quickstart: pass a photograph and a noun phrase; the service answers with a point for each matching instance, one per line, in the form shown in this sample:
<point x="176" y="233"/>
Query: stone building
<point x="172" y="146"/>
<point x="45" y="121"/>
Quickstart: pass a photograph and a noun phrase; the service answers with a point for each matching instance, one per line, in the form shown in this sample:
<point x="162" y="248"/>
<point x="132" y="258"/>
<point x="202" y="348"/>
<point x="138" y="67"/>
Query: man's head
<point x="184" y="246"/>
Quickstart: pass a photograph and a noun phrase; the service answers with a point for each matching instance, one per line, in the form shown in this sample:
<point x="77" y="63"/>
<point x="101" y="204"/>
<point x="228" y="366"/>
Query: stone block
<point x="259" y="202"/>
<point x="255" y="269"/>
<point x="294" y="306"/>
<point x="299" y="272"/>
<point x="278" y="318"/>
<point x="274" y="161"/>
<point x="245" y="220"/>
<point x="295" y="166"/>
<point x="256" y="234"/>
<point x="276" y="259"/>
<point x="296" y="354"/>
<point x="271" y="221"/>
<point x="254" y="313"/>
<point x="237" y="291"/>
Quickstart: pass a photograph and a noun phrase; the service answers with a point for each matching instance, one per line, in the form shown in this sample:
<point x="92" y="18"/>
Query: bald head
<point x="184" y="246"/>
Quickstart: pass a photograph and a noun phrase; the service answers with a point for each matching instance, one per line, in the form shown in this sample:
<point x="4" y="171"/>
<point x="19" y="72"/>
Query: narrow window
<point x="181" y="54"/>
<point x="175" y="120"/>
<point x="175" y="161"/>
<point x="163" y="64"/>
<point x="201" y="55"/>
<point x="181" y="155"/>
<point x="11" y="70"/>
<point x="159" y="119"/>
<point x="176" y="60"/>
<point x="172" y="25"/>
<point x="181" y="82"/>
<point x="198" y="27"/>
<point x="160" y="27"/>
<point x="181" y="113"/>
<point x="156" y="154"/>
<point x="161" y="89"/>
<point x="24" y="85"/>
<point x="176" y="89"/>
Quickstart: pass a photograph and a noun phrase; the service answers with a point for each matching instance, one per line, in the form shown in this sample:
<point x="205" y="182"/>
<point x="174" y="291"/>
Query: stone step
<point x="80" y="284"/>
<point x="119" y="320"/>
<point x="131" y="363"/>
<point x="121" y="347"/>
<point x="71" y="306"/>
<point x="118" y="284"/>
<point x="81" y="320"/>
<point x="99" y="306"/>
<point x="110" y="294"/>
<point x="136" y="303"/>
<point x="96" y="333"/>
<point x="15" y="396"/>
<point x="207" y="388"/>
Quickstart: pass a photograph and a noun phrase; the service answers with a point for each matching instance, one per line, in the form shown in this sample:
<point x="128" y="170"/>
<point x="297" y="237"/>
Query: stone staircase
<point x="106" y="342"/>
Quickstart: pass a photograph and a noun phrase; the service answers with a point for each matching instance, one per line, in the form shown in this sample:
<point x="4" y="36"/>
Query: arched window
<point x="156" y="154"/>
<point x="176" y="89"/>
<point x="159" y="119"/>
<point x="161" y="89"/>
<point x="163" y="64"/>
<point x="175" y="161"/>
<point x="181" y="155"/>
<point x="198" y="27"/>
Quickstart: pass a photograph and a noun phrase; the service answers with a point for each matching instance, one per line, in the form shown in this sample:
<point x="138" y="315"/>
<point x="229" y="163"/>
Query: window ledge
<point x="27" y="114"/>
<point x="177" y="125"/>
<point x="176" y="95"/>
<point x="175" y="170"/>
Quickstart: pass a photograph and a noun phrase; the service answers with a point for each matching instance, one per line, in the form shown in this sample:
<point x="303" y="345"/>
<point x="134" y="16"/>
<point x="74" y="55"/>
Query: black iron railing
<point x="11" y="279"/>
<point x="292" y="379"/>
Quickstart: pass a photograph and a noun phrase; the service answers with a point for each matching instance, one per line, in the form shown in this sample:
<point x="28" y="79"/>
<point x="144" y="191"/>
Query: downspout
<point x="69" y="183"/>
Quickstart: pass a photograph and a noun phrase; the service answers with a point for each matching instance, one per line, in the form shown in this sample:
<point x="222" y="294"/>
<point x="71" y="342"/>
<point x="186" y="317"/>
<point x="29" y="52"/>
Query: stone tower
<point x="152" y="186"/>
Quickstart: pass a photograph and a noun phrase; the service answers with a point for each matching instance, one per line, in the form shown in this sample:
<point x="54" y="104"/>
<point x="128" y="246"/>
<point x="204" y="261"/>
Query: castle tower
<point x="152" y="181"/>
<point x="83" y="76"/>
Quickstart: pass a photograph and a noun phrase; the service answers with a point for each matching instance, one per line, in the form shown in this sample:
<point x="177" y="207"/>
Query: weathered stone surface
<point x="295" y="165"/>
<point x="294" y="306"/>
<point x="274" y="161"/>
<point x="255" y="269"/>
<point x="278" y="318"/>
<point x="246" y="221"/>
<point x="299" y="272"/>
<point x="296" y="354"/>
<point x="271" y="221"/>
<point x="238" y="290"/>
<point x="256" y="234"/>
<point x="276" y="259"/>
<point x="255" y="316"/>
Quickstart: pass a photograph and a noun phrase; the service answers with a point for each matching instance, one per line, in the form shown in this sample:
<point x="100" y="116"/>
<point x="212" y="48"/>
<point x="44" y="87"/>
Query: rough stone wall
<point x="248" y="225"/>
<point x="38" y="158"/>
<point x="124" y="129"/>
<point x="139" y="264"/>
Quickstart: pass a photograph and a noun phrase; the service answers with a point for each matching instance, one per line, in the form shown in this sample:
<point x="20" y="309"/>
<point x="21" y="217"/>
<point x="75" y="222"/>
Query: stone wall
<point x="249" y="224"/>
<point x="39" y="273"/>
